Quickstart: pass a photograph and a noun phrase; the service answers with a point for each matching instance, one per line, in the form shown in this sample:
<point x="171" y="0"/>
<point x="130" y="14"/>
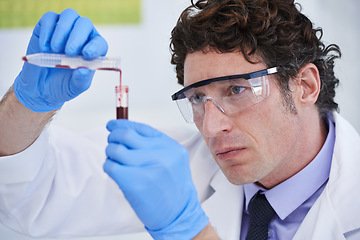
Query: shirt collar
<point x="290" y="194"/>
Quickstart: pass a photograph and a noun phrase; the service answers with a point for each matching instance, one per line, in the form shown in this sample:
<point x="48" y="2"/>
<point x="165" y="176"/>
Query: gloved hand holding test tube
<point x="53" y="60"/>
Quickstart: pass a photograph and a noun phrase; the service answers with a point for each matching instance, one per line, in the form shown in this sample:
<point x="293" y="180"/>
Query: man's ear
<point x="309" y="83"/>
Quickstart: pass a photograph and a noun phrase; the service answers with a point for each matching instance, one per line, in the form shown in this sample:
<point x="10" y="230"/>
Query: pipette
<point x="53" y="60"/>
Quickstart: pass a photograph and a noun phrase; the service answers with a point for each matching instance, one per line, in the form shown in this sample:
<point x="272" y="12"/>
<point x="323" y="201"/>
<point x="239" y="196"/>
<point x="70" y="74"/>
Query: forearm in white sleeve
<point x="57" y="188"/>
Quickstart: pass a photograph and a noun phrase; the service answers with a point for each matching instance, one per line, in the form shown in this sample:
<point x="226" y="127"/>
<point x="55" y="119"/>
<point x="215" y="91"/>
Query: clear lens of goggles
<point x="229" y="96"/>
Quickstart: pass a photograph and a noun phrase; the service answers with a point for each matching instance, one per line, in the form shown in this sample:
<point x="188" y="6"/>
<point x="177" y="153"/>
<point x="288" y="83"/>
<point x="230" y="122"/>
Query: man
<point x="259" y="85"/>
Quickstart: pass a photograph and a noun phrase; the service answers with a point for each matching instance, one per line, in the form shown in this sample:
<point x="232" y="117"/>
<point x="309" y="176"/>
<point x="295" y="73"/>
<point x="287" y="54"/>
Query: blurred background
<point x="138" y="32"/>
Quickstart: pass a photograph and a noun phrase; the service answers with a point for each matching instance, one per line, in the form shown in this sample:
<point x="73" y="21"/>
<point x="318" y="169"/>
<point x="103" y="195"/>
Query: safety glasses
<point x="230" y="94"/>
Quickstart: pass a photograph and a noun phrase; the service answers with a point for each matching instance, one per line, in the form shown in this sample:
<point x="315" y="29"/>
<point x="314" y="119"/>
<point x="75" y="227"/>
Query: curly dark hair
<point x="274" y="30"/>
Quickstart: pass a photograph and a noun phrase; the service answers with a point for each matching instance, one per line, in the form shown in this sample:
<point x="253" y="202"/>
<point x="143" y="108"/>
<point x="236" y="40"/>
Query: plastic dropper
<point x="54" y="60"/>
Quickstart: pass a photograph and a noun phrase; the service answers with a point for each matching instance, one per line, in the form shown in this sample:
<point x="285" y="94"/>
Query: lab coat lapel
<point x="337" y="211"/>
<point x="320" y="222"/>
<point x="224" y="207"/>
<point x="344" y="176"/>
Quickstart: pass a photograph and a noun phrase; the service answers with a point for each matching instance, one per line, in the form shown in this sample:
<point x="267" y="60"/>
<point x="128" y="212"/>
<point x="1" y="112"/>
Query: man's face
<point x="256" y="144"/>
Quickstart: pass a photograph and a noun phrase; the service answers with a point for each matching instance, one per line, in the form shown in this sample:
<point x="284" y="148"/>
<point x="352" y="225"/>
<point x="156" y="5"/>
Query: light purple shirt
<point x="293" y="198"/>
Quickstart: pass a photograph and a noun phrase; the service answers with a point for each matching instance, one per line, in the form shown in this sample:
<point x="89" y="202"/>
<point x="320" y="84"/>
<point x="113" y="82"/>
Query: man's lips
<point x="229" y="153"/>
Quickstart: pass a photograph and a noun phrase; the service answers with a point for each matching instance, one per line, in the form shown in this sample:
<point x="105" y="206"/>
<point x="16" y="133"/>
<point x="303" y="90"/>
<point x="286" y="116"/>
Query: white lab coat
<point x="57" y="187"/>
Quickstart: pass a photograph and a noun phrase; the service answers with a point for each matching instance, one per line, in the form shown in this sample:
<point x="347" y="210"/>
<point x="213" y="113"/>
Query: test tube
<point x="122" y="101"/>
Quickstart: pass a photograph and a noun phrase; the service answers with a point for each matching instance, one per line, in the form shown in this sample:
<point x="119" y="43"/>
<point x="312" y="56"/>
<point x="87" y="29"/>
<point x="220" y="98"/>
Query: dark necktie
<point x="261" y="213"/>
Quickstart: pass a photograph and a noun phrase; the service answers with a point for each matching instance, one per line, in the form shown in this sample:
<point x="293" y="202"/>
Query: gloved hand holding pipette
<point x="45" y="89"/>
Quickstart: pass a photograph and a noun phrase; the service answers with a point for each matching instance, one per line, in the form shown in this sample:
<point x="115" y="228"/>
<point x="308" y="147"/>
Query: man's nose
<point x="215" y="120"/>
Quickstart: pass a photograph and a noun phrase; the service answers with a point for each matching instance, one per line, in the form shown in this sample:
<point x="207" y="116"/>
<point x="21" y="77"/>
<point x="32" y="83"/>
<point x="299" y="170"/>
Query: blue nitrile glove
<point x="153" y="172"/>
<point x="46" y="89"/>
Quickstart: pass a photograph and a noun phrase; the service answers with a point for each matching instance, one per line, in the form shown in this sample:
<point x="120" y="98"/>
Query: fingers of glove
<point x="134" y="182"/>
<point x="67" y="32"/>
<point x="128" y="178"/>
<point x="132" y="139"/>
<point x="140" y="128"/>
<point x="63" y="29"/>
<point x="80" y="81"/>
<point x="97" y="46"/>
<point x="44" y="30"/>
<point x="79" y="35"/>
<point x="117" y="172"/>
<point x="121" y="155"/>
<point x="129" y="157"/>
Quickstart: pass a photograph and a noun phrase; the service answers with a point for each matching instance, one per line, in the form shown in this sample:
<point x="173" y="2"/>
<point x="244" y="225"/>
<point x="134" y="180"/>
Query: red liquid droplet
<point x="62" y="66"/>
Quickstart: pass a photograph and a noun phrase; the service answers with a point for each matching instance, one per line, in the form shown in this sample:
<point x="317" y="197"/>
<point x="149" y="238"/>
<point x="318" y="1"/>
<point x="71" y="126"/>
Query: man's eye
<point x="236" y="90"/>
<point x="196" y="99"/>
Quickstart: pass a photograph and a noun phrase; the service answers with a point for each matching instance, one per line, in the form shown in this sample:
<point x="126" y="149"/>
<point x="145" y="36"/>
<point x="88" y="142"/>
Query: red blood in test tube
<point x="122" y="102"/>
